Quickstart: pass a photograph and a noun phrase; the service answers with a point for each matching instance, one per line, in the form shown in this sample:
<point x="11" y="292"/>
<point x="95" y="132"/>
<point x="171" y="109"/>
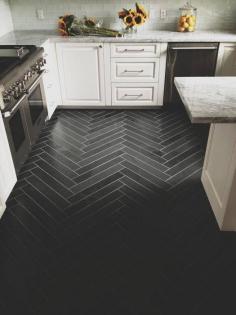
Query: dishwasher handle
<point x="195" y="48"/>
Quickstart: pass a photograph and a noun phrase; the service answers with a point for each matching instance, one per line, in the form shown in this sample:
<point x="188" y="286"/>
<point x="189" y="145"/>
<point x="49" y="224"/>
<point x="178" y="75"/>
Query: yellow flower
<point x="132" y="12"/>
<point x="129" y="20"/>
<point x="140" y="9"/>
<point x="139" y="19"/>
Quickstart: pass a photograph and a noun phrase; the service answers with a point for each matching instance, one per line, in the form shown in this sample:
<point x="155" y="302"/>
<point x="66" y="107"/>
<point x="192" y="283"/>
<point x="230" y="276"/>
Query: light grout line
<point x="184" y="151"/>
<point x="181" y="182"/>
<point x="190" y="156"/>
<point x="48" y="187"/>
<point x="100" y="152"/>
<point x="54" y="178"/>
<point x="55" y="169"/>
<point x="190" y="165"/>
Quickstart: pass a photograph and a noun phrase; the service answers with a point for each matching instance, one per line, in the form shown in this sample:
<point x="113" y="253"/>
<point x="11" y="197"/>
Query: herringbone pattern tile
<point x="109" y="216"/>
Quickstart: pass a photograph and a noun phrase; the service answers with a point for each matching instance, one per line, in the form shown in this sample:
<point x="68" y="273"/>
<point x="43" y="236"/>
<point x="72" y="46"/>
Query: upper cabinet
<point x="226" y="64"/>
<point x="81" y="73"/>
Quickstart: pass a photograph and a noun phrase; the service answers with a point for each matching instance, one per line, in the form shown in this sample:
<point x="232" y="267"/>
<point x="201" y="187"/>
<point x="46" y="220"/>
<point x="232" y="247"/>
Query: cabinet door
<point x="81" y="71"/>
<point x="226" y="64"/>
<point x="51" y="79"/>
<point x="7" y="169"/>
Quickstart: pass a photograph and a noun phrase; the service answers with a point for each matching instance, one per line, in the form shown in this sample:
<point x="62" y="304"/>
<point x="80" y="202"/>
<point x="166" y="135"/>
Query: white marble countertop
<point x="209" y="99"/>
<point x="38" y="37"/>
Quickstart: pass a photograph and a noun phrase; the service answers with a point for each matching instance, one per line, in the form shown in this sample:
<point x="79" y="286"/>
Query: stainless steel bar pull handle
<point x="10" y="112"/>
<point x="133" y="95"/>
<point x="195" y="48"/>
<point x="134" y="71"/>
<point x="133" y="50"/>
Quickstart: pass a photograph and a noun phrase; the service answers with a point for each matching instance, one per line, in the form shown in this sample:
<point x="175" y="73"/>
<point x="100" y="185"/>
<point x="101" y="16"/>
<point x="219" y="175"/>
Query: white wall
<point x="212" y="14"/>
<point x="6" y="24"/>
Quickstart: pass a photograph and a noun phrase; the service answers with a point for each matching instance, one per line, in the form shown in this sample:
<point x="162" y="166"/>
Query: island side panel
<point x="230" y="217"/>
<point x="219" y="173"/>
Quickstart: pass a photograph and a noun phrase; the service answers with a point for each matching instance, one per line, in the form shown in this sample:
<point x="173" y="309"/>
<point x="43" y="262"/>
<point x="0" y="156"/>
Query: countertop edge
<point x="203" y="119"/>
<point x="38" y="37"/>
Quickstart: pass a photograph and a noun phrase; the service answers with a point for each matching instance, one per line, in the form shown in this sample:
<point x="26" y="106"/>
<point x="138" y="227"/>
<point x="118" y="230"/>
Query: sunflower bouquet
<point x="134" y="17"/>
<point x="70" y="25"/>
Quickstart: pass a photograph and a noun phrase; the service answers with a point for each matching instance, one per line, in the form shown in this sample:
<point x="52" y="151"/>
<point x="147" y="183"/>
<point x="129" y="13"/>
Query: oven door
<point x="36" y="110"/>
<point x="17" y="132"/>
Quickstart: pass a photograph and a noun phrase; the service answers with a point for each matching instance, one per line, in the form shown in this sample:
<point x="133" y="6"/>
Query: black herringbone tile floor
<point x="109" y="217"/>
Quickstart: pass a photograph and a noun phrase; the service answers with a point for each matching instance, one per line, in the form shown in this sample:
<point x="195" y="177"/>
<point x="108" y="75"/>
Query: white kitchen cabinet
<point x="135" y="50"/>
<point x="134" y="94"/>
<point x="220" y="182"/>
<point x="81" y="73"/>
<point x="138" y="74"/>
<point x="51" y="78"/>
<point x="226" y="64"/>
<point x="111" y="74"/>
<point x="7" y="170"/>
<point x="135" y="69"/>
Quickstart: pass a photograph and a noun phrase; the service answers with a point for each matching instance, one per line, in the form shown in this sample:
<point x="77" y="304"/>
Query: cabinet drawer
<point x="138" y="70"/>
<point x="138" y="94"/>
<point x="135" y="50"/>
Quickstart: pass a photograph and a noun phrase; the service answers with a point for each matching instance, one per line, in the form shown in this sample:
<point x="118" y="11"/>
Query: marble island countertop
<point x="38" y="37"/>
<point x="209" y="99"/>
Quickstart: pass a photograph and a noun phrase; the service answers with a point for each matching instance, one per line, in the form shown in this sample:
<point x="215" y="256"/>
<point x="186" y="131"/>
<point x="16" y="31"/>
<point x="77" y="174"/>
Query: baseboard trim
<point x="109" y="107"/>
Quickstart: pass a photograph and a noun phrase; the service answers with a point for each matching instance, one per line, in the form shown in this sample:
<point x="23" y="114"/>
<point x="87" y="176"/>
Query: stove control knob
<point x="16" y="94"/>
<point x="36" y="68"/>
<point x="25" y="78"/>
<point x="29" y="73"/>
<point x="16" y="88"/>
<point x="6" y="97"/>
<point x="42" y="62"/>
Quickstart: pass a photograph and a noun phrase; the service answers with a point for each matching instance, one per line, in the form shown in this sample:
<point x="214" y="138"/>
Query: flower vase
<point x="130" y="31"/>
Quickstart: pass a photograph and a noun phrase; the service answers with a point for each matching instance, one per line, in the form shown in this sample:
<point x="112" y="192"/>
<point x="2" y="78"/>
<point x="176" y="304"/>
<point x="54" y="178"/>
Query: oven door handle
<point x="10" y="112"/>
<point x="35" y="82"/>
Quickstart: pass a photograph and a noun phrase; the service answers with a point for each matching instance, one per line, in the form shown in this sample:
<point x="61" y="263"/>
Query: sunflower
<point x="139" y="19"/>
<point x="63" y="32"/>
<point x="140" y="9"/>
<point x="122" y="14"/>
<point x="61" y="24"/>
<point x="129" y="20"/>
<point x="132" y="12"/>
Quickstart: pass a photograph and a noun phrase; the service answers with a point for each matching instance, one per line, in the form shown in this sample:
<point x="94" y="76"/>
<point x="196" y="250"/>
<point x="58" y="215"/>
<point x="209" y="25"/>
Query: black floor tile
<point x="109" y="217"/>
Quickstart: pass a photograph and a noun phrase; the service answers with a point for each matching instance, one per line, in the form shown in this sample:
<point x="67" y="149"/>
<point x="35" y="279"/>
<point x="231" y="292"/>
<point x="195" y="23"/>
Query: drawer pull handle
<point x="134" y="71"/>
<point x="133" y="95"/>
<point x="133" y="50"/>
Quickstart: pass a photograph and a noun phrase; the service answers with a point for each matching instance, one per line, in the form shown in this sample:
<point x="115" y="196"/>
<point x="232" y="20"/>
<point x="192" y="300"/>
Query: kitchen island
<point x="213" y="100"/>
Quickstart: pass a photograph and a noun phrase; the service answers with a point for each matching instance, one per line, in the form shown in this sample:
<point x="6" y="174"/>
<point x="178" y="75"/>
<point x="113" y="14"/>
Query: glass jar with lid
<point x="187" y="18"/>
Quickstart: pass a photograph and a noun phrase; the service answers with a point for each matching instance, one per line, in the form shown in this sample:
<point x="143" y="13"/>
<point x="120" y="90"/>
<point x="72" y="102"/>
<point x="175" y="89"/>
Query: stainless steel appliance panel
<point x="188" y="60"/>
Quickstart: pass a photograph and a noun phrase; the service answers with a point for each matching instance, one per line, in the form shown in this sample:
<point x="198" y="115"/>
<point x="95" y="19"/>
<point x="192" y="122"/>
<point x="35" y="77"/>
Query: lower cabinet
<point x="111" y="74"/>
<point x="50" y="79"/>
<point x="81" y="73"/>
<point x="7" y="169"/>
<point x="134" y="94"/>
<point x="138" y="74"/>
<point x="226" y="64"/>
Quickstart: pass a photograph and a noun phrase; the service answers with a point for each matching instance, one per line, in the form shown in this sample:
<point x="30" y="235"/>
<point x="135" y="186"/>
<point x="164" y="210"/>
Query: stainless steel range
<point x="22" y="100"/>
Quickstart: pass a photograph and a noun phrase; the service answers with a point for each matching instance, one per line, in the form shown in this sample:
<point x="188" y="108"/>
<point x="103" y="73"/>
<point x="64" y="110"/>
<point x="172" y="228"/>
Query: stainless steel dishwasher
<point x="188" y="60"/>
